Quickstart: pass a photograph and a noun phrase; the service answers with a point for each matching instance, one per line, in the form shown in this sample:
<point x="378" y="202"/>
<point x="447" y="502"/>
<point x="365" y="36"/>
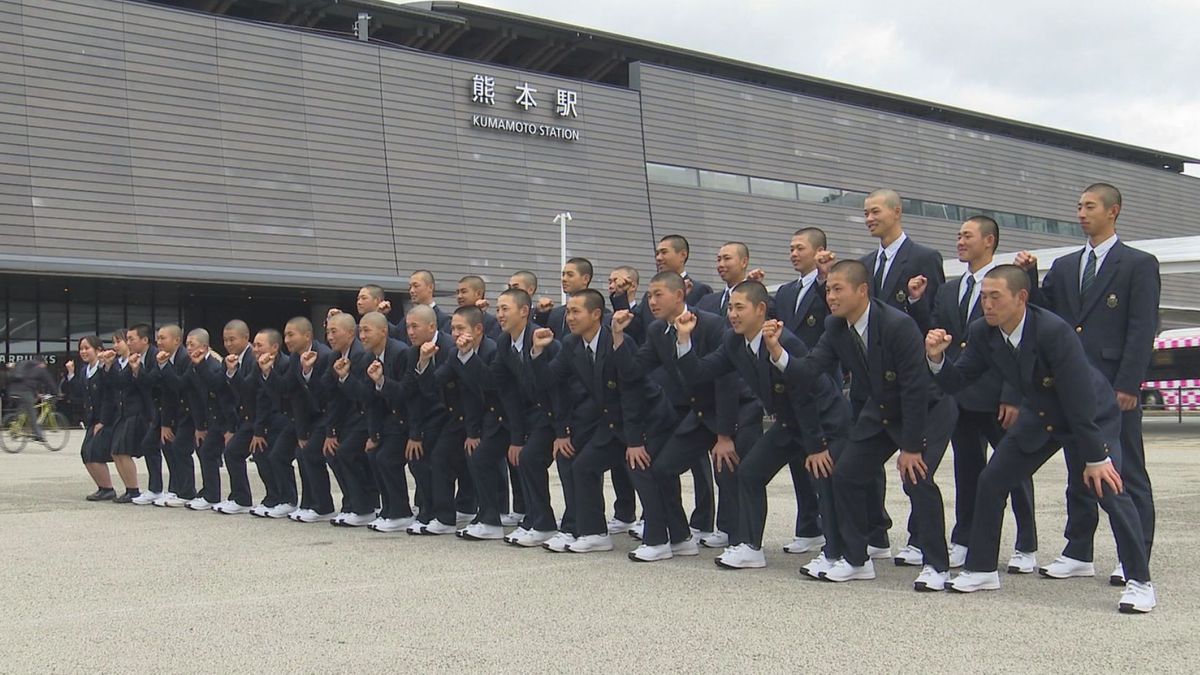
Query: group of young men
<point x="851" y="362"/>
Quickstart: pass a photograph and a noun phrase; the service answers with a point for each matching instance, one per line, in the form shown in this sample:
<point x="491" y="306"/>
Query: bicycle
<point x="16" y="431"/>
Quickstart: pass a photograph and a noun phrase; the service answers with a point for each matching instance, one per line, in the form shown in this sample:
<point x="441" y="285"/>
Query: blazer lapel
<point x="875" y="349"/>
<point x="899" y="264"/>
<point x="1028" y="346"/>
<point x="1108" y="271"/>
<point x="805" y="305"/>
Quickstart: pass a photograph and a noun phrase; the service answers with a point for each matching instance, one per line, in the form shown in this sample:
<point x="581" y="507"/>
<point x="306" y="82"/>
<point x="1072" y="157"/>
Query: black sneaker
<point x="126" y="498"/>
<point x="101" y="495"/>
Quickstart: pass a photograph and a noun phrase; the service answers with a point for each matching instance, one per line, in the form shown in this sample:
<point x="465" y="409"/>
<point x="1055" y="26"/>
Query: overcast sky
<point x="1120" y="70"/>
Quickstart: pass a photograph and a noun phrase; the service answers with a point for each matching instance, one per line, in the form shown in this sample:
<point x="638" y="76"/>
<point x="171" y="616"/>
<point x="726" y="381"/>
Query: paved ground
<point x="107" y="587"/>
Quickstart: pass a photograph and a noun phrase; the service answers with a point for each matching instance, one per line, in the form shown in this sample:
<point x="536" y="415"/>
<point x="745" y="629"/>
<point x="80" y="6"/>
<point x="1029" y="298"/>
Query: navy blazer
<point x="988" y="392"/>
<point x="429" y="411"/>
<point x="1065" y="400"/>
<point x="712" y="303"/>
<point x="94" y="395"/>
<point x="135" y="393"/>
<point x="527" y="407"/>
<point x="254" y="407"/>
<point x="617" y="403"/>
<point x="481" y="408"/>
<point x="385" y="414"/>
<point x="287" y="384"/>
<point x="344" y="407"/>
<point x="212" y="408"/>
<point x="813" y="408"/>
<point x="892" y="392"/>
<point x="637" y="328"/>
<point x="1118" y="318"/>
<point x="722" y="406"/>
<point x="911" y="260"/>
<point x="807" y="321"/>
<point x="174" y="400"/>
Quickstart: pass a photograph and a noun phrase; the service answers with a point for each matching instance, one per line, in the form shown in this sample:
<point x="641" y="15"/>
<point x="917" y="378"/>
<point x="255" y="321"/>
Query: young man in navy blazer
<point x="1065" y="403"/>
<point x="897" y="407"/>
<point x="986" y="408"/>
<point x="1109" y="292"/>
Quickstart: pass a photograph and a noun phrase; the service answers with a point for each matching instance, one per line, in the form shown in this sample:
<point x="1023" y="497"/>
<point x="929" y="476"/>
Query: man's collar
<point x="894" y="246"/>
<point x="861" y="323"/>
<point x="1014" y="338"/>
<point x="806" y="280"/>
<point x="671" y="323"/>
<point x="1104" y="247"/>
<point x="755" y="343"/>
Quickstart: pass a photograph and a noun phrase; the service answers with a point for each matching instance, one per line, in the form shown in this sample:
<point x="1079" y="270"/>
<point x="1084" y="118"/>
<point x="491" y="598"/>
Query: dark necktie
<point x="725" y="302"/>
<point x="879" y="272"/>
<point x="750" y="353"/>
<point x="799" y="296"/>
<point x="1014" y="350"/>
<point x="964" y="305"/>
<point x="859" y="344"/>
<point x="1089" y="273"/>
<point x="590" y="354"/>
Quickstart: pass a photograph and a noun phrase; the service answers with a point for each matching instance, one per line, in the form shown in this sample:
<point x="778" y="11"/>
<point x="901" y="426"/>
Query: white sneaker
<point x="717" y="539"/>
<point x="969" y="582"/>
<point x="930" y="580"/>
<point x="816" y="566"/>
<point x="910" y="556"/>
<point x="515" y="534"/>
<point x="1022" y="563"/>
<point x="559" y="542"/>
<point x="878" y="552"/>
<point x="481" y="532"/>
<point x="261" y="511"/>
<point x="958" y="556"/>
<point x="1138" y="598"/>
<point x="616" y="526"/>
<point x="299" y="514"/>
<point x="312" y="516"/>
<point x="164" y="497"/>
<point x="1117" y="578"/>
<point x="511" y="519"/>
<point x="201" y="504"/>
<point x="415" y="527"/>
<point x="686" y="547"/>
<point x="357" y="520"/>
<point x="806" y="545"/>
<point x="533" y="538"/>
<point x="437" y="527"/>
<point x="638" y="530"/>
<point x="146" y="498"/>
<point x="699" y="534"/>
<point x="231" y="508"/>
<point x="174" y="502"/>
<point x="647" y="553"/>
<point x="281" y="510"/>
<point x="339" y="518"/>
<point x="591" y="543"/>
<point x="842" y="571"/>
<point x="376" y="523"/>
<point x="389" y="525"/>
<point x="1065" y="568"/>
<point x="742" y="557"/>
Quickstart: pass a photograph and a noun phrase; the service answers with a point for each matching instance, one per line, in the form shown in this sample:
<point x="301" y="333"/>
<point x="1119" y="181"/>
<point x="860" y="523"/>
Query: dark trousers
<point x="682" y="452"/>
<point x="535" y="460"/>
<point x="662" y="506"/>
<point x="778" y="448"/>
<point x="465" y="500"/>
<point x="153" y="456"/>
<point x="237" y="451"/>
<point x="422" y="471"/>
<point x="352" y="470"/>
<point x="625" y="499"/>
<point x="314" y="474"/>
<point x="489" y="469"/>
<point x="972" y="434"/>
<point x="704" y="513"/>
<point x="1010" y="465"/>
<point x="180" y="465"/>
<point x="514" y="484"/>
<point x="448" y="466"/>
<point x="210" y="452"/>
<point x="808" y="509"/>
<point x="387" y="462"/>
<point x="856" y="473"/>
<point x="281" y="451"/>
<point x="1082" y="512"/>
<point x="588" y="468"/>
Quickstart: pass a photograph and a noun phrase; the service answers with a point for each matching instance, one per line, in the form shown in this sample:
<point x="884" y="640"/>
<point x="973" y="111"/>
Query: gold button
<point x="611" y="425"/>
<point x="962" y="345"/>
<point x="1078" y="329"/>
<point x="885" y="423"/>
<point x="700" y="414"/>
<point x="1049" y="428"/>
<point x="1041" y="413"/>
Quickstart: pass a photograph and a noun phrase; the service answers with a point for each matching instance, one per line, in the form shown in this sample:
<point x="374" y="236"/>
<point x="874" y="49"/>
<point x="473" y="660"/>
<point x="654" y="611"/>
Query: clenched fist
<point x="621" y="320"/>
<point x="428" y="350"/>
<point x="684" y="325"/>
<point x="1025" y="260"/>
<point x="231" y="363"/>
<point x="162" y="357"/>
<point x="545" y="304"/>
<point x="70" y="369"/>
<point x="542" y="338"/>
<point x="917" y="286"/>
<point x="307" y="360"/>
<point x="342" y="367"/>
<point x="825" y="262"/>
<point x="936" y="342"/>
<point x="375" y="372"/>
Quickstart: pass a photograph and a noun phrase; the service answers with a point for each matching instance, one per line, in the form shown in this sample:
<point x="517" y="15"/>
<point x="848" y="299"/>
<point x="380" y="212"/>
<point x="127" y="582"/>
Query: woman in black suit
<point x="94" y="395"/>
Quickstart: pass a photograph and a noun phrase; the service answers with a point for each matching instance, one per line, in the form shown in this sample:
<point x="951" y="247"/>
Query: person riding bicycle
<point x="26" y="381"/>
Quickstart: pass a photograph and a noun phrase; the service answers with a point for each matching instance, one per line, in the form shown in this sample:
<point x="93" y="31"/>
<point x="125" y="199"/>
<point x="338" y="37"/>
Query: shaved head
<point x="422" y="313"/>
<point x="238" y="326"/>
<point x="891" y="198"/>
<point x="344" y="321"/>
<point x="376" y="319"/>
<point x="200" y="336"/>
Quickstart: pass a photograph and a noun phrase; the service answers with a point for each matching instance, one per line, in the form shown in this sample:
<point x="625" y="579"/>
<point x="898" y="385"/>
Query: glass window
<point x="852" y="199"/>
<point x="910" y="206"/>
<point x="21" y="327"/>
<point x="672" y="175"/>
<point x="112" y="319"/>
<point x="1007" y="221"/>
<point x="53" y="327"/>
<point x="938" y="210"/>
<point x="772" y="188"/>
<point x="715" y="180"/>
<point x="818" y="194"/>
<point x="164" y="314"/>
<point x="1041" y="225"/>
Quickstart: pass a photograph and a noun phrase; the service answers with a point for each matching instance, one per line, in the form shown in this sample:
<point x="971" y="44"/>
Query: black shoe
<point x="102" y="494"/>
<point x="126" y="498"/>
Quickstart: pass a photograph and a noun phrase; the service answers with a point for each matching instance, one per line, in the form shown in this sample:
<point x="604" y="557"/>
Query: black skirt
<point x="128" y="436"/>
<point x="97" y="448"/>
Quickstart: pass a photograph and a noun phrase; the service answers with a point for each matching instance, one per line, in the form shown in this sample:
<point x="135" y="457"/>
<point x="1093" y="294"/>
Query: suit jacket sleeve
<point x="1144" y="291"/>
